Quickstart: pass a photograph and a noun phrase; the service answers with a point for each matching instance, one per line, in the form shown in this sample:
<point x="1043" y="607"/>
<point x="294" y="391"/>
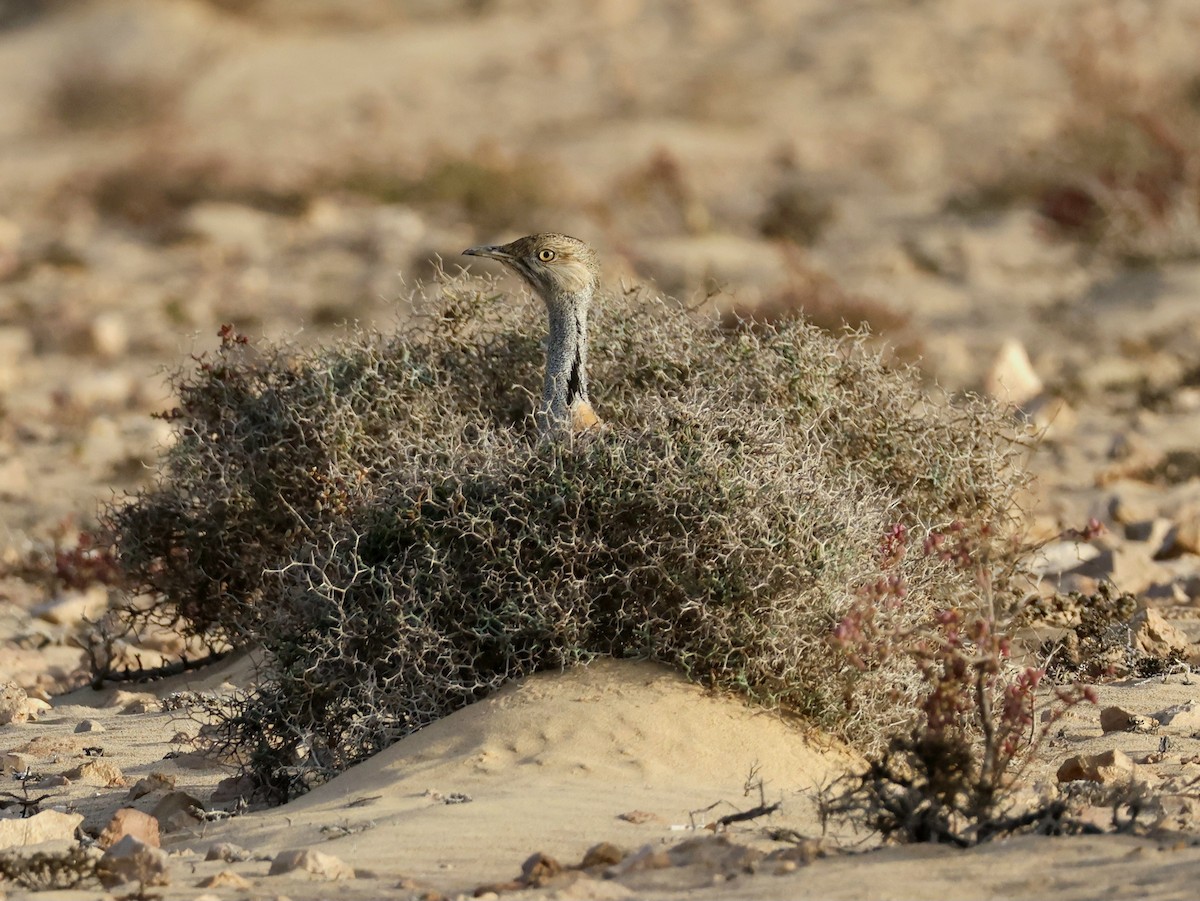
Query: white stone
<point x="46" y="826"/>
<point x="109" y="335"/>
<point x="1011" y="378"/>
<point x="315" y="862"/>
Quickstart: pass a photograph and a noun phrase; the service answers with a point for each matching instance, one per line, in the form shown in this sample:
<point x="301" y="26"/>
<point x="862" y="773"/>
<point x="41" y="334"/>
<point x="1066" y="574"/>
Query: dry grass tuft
<point x="380" y="517"/>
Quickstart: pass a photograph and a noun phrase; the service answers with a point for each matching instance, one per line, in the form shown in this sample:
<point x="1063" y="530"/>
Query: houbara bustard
<point x="563" y="271"/>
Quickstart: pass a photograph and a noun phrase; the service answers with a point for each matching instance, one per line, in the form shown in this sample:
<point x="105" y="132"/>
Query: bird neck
<point x="566" y="356"/>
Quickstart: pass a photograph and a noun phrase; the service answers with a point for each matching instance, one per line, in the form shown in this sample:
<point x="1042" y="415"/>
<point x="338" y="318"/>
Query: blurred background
<point x="984" y="185"/>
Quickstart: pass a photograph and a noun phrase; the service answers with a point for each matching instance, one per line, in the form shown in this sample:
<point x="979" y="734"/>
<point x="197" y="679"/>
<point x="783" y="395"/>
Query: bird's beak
<point x="491" y="251"/>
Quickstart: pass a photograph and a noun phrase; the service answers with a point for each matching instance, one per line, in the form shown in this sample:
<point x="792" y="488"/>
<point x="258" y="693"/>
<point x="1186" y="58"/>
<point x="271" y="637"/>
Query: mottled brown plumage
<point x="564" y="273"/>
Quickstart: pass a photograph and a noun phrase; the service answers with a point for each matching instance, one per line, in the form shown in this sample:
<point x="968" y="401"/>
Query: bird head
<point x="553" y="265"/>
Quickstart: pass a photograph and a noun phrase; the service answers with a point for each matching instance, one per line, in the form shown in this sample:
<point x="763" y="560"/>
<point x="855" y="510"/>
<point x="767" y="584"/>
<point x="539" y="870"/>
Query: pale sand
<point x="552" y="762"/>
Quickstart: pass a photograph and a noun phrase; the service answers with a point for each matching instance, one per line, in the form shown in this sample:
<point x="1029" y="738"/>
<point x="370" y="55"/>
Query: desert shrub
<point x="382" y="519"/>
<point x="50" y="870"/>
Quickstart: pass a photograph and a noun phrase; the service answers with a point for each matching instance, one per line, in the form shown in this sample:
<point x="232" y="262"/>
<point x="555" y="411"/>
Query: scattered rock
<point x="317" y="863"/>
<point x="231" y="225"/>
<point x="1157" y="532"/>
<point x="14" y="707"/>
<point x="232" y="788"/>
<point x="197" y="760"/>
<point x="134" y="702"/>
<point x="14" y="479"/>
<point x="99" y="772"/>
<point x="14" y="763"/>
<point x="89" y="726"/>
<point x="72" y="607"/>
<point x="1132" y="501"/>
<point x="130" y="860"/>
<point x="227" y="851"/>
<point x="539" y="869"/>
<point x="226" y="879"/>
<point x="1059" y="557"/>
<point x="16" y="343"/>
<point x="103" y="445"/>
<point x="109" y="334"/>
<point x="715" y="853"/>
<point x="802" y="853"/>
<point x="639" y="816"/>
<point x="1051" y="416"/>
<point x="36" y="707"/>
<point x="1115" y="719"/>
<point x="129" y="821"/>
<point x="605" y="854"/>
<point x="46" y="826"/>
<point x="149" y="784"/>
<point x="1187" y="532"/>
<point x="1011" y="378"/>
<point x="1184" y="717"/>
<point x="177" y="811"/>
<point x="1153" y="635"/>
<point x="1109" y="768"/>
<point x="112" y="390"/>
<point x="648" y="857"/>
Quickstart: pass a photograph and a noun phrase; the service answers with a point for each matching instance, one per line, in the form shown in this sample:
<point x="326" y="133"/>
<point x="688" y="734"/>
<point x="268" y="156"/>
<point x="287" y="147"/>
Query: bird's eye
<point x="546" y="255"/>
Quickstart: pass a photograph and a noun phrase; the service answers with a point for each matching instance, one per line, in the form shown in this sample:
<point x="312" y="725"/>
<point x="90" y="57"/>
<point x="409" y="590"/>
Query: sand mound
<point x="563" y="755"/>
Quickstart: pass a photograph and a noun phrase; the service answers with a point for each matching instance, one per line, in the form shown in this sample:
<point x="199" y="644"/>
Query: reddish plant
<point x="948" y="778"/>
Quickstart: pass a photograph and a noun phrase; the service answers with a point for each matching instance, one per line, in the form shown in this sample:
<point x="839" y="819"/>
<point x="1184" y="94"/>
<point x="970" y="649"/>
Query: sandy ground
<point x="661" y="132"/>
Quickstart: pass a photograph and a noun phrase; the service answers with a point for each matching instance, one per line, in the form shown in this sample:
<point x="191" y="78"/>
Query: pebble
<point x="16" y="345"/>
<point x="109" y="335"/>
<point x="129" y="821"/>
<point x="177" y="811"/>
<point x="1117" y="719"/>
<point x="103" y="445"/>
<point x="605" y="854"/>
<point x="99" y="772"/>
<point x="1187" y="532"/>
<point x="14" y="479"/>
<point x="150" y="784"/>
<point x="226" y="879"/>
<point x="1011" y="378"/>
<point x="131" y="860"/>
<point x="1108" y="768"/>
<point x="112" y="389"/>
<point x="315" y="862"/>
<point x="227" y="851"/>
<point x="1154" y="635"/>
<point x="72" y="607"/>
